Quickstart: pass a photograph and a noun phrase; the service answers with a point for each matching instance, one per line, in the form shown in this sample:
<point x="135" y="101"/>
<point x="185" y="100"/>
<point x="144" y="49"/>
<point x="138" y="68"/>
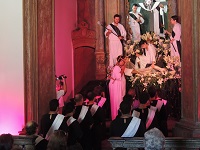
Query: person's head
<point x="68" y="108"/>
<point x="138" y="52"/>
<point x="117" y="18"/>
<point x="58" y="141"/>
<point x="78" y="98"/>
<point x="125" y="107"/>
<point x="143" y="44"/>
<point x="174" y="19"/>
<point x="128" y="98"/>
<point x="120" y="60"/>
<point x="154" y="139"/>
<point x="143" y="97"/>
<point x="152" y="91"/>
<point x="90" y="96"/>
<point x="59" y="84"/>
<point x="6" y="141"/>
<point x="31" y="128"/>
<point x="98" y="91"/>
<point x="134" y="8"/>
<point x="53" y="105"/>
<point x="131" y="92"/>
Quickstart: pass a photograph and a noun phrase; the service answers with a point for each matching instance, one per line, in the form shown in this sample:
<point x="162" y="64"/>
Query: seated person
<point x="136" y="103"/>
<point x="126" y="125"/>
<point x="84" y="117"/>
<point x="46" y="124"/>
<point x="6" y="142"/>
<point x="32" y="129"/>
<point x="161" y="109"/>
<point x="74" y="130"/>
<point x="58" y="141"/>
<point x="148" y="114"/>
<point x="99" y="96"/>
<point x="98" y="128"/>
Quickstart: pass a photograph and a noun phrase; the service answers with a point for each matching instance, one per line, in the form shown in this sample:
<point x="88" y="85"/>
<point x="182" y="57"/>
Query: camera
<point x="61" y="77"/>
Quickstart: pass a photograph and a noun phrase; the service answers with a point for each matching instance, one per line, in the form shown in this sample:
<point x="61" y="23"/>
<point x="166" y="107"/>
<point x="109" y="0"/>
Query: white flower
<point x="165" y="45"/>
<point x="160" y="81"/>
<point x="131" y="47"/>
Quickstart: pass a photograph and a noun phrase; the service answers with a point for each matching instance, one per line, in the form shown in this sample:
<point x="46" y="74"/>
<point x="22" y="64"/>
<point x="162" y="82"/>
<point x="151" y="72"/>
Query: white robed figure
<point x="117" y="86"/>
<point x="175" y="38"/>
<point x="135" y="19"/>
<point x="115" y="44"/>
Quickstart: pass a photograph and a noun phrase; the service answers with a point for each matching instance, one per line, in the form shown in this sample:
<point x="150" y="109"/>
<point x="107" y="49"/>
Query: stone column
<point x="100" y="48"/>
<point x="122" y="12"/>
<point x="39" y="71"/>
<point x="189" y="125"/>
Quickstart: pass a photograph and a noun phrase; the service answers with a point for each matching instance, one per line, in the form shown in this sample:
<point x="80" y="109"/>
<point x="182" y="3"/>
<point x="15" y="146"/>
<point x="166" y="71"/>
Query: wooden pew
<point x="24" y="141"/>
<point x="170" y="143"/>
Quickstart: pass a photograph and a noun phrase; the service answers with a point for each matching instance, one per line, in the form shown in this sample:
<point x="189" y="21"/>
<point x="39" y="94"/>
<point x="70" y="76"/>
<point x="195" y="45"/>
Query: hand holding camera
<point x="61" y="77"/>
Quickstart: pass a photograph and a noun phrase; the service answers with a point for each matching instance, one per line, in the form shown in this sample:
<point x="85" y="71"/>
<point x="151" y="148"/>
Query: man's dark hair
<point x="142" y="42"/>
<point x="175" y="17"/>
<point x="98" y="90"/>
<point x="128" y="98"/>
<point x="120" y="57"/>
<point x="53" y="104"/>
<point x="31" y="128"/>
<point x="78" y="98"/>
<point x="125" y="107"/>
<point x="6" y="141"/>
<point x="68" y="108"/>
<point x="143" y="97"/>
<point x="152" y="91"/>
<point x="90" y="96"/>
<point x="117" y="15"/>
<point x="135" y="5"/>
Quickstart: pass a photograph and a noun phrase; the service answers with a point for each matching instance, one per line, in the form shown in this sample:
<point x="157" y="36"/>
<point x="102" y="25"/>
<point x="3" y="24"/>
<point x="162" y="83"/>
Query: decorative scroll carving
<point x="82" y="36"/>
<point x="100" y="63"/>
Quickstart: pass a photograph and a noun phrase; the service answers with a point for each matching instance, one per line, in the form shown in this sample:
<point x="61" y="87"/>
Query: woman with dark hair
<point x="175" y="38"/>
<point x="117" y="86"/>
<point x="6" y="142"/>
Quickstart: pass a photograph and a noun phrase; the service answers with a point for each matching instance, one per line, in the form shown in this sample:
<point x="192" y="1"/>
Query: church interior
<point x="42" y="39"/>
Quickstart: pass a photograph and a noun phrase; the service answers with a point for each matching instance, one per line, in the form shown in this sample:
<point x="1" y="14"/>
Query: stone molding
<point x="83" y="36"/>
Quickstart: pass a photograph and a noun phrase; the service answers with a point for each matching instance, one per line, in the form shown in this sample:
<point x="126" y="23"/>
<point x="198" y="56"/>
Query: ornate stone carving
<point x="83" y="36"/>
<point x="100" y="65"/>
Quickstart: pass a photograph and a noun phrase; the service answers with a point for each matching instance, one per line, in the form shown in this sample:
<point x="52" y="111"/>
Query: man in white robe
<point x="116" y="33"/>
<point x="135" y="19"/>
<point x="175" y="37"/>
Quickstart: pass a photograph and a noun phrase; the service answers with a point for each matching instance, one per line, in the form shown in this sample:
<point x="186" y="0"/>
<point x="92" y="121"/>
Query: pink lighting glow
<point x="11" y="66"/>
<point x="65" y="23"/>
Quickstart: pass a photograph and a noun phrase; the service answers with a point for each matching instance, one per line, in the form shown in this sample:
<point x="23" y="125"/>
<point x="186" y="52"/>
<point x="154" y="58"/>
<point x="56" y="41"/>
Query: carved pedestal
<point x="84" y="43"/>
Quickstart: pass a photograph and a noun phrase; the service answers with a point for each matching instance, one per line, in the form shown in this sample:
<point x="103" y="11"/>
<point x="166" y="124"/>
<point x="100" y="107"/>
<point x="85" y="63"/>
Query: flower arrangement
<point x="161" y="44"/>
<point x="158" y="79"/>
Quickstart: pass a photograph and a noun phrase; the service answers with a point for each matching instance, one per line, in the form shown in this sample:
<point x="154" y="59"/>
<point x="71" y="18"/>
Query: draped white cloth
<point x="115" y="45"/>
